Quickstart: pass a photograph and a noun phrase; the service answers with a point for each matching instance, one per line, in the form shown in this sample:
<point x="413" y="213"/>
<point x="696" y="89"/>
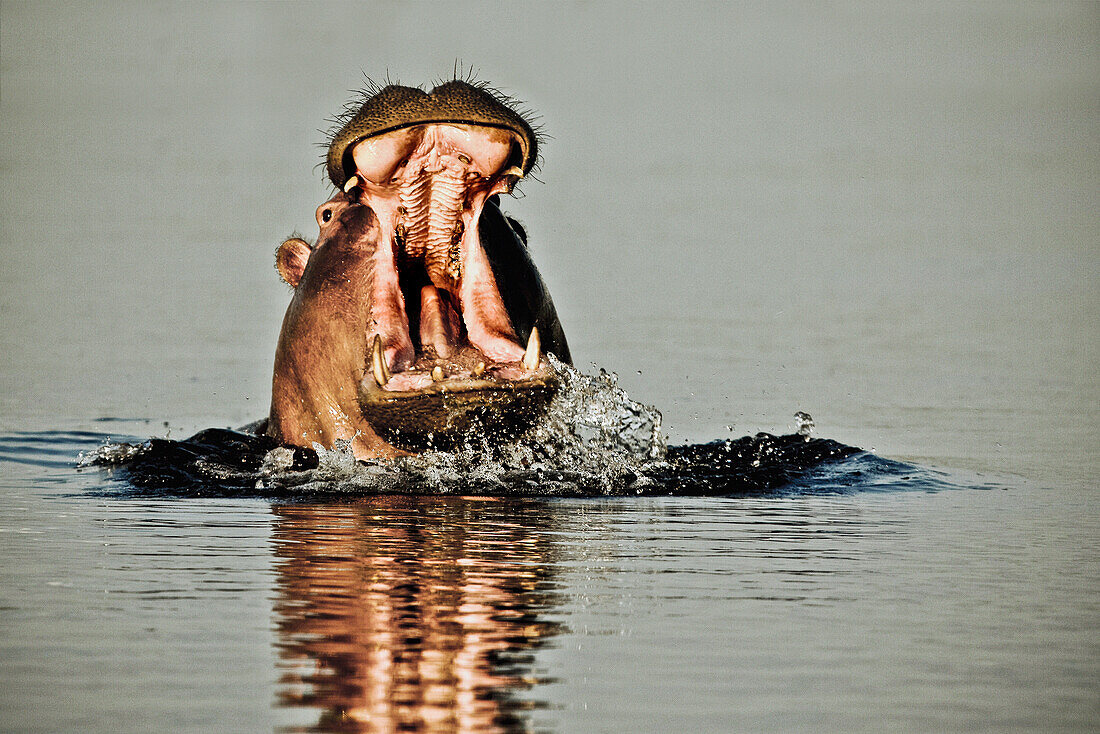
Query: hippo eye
<point x="326" y="215"/>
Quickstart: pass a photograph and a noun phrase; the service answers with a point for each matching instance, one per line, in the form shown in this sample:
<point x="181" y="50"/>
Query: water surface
<point x="908" y="604"/>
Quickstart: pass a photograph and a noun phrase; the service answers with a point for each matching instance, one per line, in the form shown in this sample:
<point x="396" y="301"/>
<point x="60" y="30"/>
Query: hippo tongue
<point x="480" y="309"/>
<point x="440" y="326"/>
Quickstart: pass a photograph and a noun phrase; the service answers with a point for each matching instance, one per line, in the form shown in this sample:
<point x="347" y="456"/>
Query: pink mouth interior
<point x="434" y="298"/>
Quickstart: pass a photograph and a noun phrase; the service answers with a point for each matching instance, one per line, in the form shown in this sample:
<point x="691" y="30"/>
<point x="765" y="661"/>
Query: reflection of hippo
<point x="406" y="614"/>
<point x="418" y="312"/>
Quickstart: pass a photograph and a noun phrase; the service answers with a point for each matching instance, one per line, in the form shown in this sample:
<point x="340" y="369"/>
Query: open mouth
<point x="443" y="353"/>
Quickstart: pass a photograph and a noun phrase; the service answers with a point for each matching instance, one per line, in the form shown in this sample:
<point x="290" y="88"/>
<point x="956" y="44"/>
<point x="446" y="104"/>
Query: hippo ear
<point x="290" y="260"/>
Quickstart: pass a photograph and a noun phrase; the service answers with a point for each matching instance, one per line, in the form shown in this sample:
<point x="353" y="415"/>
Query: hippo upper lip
<point x="383" y="110"/>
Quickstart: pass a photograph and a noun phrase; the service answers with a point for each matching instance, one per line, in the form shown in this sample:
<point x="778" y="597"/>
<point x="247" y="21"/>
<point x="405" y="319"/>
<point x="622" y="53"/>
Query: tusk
<point x="351" y="184"/>
<point x="531" y="356"/>
<point x="479" y="369"/>
<point x="378" y="362"/>
<point x="437" y="374"/>
<point x="514" y="171"/>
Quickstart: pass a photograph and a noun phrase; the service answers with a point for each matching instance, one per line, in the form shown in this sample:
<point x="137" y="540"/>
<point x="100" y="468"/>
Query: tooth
<point x="378" y="362"/>
<point x="379" y="375"/>
<point x="514" y="171"/>
<point x="351" y="184"/>
<point x="479" y="369"/>
<point x="531" y="356"/>
<point x="437" y="374"/>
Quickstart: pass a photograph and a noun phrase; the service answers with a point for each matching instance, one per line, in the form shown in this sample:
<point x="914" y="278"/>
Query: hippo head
<point x="417" y="315"/>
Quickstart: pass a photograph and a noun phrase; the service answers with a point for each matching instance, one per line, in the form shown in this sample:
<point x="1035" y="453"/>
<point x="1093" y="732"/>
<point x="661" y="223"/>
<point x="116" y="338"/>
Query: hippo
<point x="417" y="315"/>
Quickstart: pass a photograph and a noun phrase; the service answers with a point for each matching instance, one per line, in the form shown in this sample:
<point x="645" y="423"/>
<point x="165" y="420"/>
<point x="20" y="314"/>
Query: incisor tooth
<point x="378" y="362"/>
<point x="437" y="374"/>
<point x="531" y="355"/>
<point x="479" y="369"/>
<point x="351" y="183"/>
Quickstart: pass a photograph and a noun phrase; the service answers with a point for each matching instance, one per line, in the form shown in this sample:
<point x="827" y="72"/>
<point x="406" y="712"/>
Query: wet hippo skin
<point x="418" y="316"/>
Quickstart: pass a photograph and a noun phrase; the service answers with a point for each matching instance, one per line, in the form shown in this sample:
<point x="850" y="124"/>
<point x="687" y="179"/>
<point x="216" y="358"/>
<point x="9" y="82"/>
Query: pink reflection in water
<point x="410" y="614"/>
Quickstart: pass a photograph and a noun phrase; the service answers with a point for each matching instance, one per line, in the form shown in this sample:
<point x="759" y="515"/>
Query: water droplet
<point x="804" y="424"/>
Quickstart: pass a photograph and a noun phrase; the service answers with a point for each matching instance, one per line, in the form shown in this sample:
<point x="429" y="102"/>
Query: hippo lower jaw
<point x="453" y="365"/>
<point x="432" y="407"/>
<point x="441" y="399"/>
<point x="437" y="402"/>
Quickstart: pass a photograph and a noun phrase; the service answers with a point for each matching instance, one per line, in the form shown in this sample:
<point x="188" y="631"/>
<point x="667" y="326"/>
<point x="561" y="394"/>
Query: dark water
<point x="593" y="441"/>
<point x="883" y="215"/>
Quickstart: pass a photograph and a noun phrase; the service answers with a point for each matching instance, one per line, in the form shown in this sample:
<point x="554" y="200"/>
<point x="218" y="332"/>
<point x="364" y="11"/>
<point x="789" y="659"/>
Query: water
<point x="884" y="217"/>
<point x="880" y="606"/>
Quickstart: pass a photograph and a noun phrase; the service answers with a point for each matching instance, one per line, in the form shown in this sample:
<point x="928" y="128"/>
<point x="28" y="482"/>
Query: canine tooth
<point x="437" y="374"/>
<point x="531" y="355"/>
<point x="378" y="362"/>
<point x="479" y="369"/>
<point x="351" y="184"/>
<point x="514" y="171"/>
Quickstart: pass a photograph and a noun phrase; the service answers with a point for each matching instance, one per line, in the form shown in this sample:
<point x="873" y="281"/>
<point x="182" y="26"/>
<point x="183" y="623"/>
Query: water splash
<point x="592" y="417"/>
<point x="804" y="424"/>
<point x="108" y="454"/>
<point x="594" y="440"/>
